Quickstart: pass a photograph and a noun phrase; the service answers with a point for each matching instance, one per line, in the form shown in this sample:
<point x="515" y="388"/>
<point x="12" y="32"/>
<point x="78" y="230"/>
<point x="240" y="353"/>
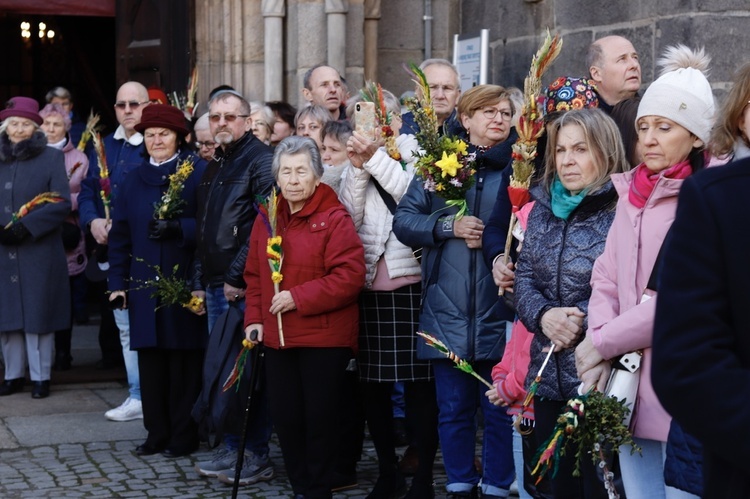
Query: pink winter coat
<point x="76" y="257"/>
<point x="618" y="321"/>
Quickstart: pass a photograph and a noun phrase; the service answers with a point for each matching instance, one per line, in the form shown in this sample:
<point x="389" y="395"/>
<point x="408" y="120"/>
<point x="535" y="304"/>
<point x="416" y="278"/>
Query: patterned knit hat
<point x="567" y="92"/>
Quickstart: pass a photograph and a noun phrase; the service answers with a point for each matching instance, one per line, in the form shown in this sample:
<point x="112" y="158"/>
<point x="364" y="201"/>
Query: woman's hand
<point x="360" y="148"/>
<point x="282" y="302"/>
<point x="119" y="294"/>
<point x="503" y="274"/>
<point x="495" y="398"/>
<point x="202" y="295"/>
<point x="596" y="376"/>
<point x="586" y="356"/>
<point x="470" y="230"/>
<point x="254" y="339"/>
<point x="563" y="325"/>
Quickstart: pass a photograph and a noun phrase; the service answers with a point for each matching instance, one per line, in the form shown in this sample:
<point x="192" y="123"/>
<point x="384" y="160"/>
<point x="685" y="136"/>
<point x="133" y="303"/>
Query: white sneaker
<point x="129" y="410"/>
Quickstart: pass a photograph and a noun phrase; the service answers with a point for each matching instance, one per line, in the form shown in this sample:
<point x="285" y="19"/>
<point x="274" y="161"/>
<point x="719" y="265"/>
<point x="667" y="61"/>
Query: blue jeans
<point x="643" y="474"/>
<point x="259" y="430"/>
<point x="459" y="395"/>
<point x="129" y="356"/>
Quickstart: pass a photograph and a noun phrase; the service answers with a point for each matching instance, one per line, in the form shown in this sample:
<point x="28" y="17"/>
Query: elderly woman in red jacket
<point x="323" y="272"/>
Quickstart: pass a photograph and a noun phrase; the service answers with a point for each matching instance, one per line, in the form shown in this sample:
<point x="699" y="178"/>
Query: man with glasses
<point x="238" y="174"/>
<point x="204" y="141"/>
<point x="445" y="89"/>
<point x="124" y="151"/>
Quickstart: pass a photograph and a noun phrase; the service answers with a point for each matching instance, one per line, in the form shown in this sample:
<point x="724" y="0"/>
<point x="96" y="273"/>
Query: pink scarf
<point x="644" y="181"/>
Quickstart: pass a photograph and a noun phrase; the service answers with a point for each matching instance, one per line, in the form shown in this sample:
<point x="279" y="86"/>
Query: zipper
<point x="473" y="261"/>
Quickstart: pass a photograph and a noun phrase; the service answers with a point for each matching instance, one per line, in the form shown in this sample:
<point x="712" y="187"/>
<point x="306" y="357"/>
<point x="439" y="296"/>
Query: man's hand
<point x="233" y="294"/>
<point x="100" y="230"/>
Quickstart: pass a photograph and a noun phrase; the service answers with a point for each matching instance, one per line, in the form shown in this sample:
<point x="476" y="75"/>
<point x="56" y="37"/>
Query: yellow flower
<point x="449" y="164"/>
<point x="460" y="147"/>
<point x="438" y="187"/>
<point x="277" y="277"/>
<point x="195" y="304"/>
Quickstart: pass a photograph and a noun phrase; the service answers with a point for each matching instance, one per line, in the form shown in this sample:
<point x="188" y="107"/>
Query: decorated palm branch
<point x="192" y="92"/>
<point x="239" y="366"/>
<point x="530" y="128"/>
<point x="274" y="251"/>
<point x="591" y="424"/>
<point x="533" y="388"/>
<point x="168" y="289"/>
<point x="373" y="92"/>
<point x="171" y="203"/>
<point x="443" y="163"/>
<point x="38" y="200"/>
<point x="105" y="189"/>
<point x="91" y="127"/>
<point x="461" y="364"/>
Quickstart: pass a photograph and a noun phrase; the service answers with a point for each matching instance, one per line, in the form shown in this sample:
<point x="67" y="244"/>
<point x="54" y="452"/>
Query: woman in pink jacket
<point x="673" y="124"/>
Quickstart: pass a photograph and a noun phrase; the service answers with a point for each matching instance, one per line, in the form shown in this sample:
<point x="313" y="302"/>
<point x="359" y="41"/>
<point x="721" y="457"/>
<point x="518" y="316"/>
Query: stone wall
<point x="516" y="29"/>
<point x="230" y="36"/>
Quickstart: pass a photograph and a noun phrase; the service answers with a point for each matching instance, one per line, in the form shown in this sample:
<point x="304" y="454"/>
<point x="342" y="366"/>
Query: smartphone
<point x="365" y="121"/>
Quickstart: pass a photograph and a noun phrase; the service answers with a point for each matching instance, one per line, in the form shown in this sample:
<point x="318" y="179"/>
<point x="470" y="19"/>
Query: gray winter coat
<point x="554" y="270"/>
<point x="34" y="289"/>
<point x="460" y="305"/>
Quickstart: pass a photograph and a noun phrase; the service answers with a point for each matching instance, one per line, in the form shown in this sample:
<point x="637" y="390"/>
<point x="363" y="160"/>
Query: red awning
<point x="101" y="8"/>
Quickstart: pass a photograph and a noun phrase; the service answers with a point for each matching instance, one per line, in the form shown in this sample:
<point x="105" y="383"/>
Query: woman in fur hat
<point x="34" y="291"/>
<point x="673" y="123"/>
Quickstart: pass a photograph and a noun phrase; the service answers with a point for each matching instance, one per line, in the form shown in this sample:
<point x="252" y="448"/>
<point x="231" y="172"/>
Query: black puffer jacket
<point x="554" y="270"/>
<point x="226" y="196"/>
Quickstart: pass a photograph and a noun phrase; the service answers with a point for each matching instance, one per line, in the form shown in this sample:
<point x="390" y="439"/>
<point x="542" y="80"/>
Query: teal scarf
<point x="563" y="202"/>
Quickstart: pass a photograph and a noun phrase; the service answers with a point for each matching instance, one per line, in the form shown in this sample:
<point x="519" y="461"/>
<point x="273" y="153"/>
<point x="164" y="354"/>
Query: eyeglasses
<point x="134" y="104"/>
<point x="207" y="145"/>
<point x="229" y="118"/>
<point x="491" y="112"/>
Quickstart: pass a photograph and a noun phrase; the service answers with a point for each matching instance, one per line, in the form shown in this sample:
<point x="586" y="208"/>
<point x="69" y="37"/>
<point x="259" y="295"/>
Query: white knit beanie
<point x="682" y="92"/>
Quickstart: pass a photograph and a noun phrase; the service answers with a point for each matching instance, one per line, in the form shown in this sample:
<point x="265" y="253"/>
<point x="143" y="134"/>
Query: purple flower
<point x="456" y="182"/>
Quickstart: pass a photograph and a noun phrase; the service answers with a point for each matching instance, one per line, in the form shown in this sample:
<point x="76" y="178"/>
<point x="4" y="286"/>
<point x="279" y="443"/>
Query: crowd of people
<point x="332" y="252"/>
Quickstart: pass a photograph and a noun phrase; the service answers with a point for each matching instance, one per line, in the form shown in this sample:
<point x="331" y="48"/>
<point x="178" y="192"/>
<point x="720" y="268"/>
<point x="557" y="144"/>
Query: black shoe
<point x="421" y="490"/>
<point x="11" y="386"/>
<point x="174" y="453"/>
<point x="344" y="481"/>
<point x="62" y="361"/>
<point x="471" y="494"/>
<point x="40" y="390"/>
<point x="146" y="449"/>
<point x="388" y="486"/>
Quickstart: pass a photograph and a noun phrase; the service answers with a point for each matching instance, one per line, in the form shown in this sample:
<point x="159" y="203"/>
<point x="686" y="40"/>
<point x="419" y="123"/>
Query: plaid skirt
<point x="388" y="321"/>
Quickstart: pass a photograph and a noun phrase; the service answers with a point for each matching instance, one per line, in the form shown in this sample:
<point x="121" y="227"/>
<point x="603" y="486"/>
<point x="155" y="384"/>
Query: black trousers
<point x="170" y="385"/>
<point x="305" y="387"/>
<point x="421" y="405"/>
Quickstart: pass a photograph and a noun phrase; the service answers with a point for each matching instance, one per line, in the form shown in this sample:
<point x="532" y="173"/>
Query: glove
<point x="162" y="230"/>
<point x="14" y="235"/>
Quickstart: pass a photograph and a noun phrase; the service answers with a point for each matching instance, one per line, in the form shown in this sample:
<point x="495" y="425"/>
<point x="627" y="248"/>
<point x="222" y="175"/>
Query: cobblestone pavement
<point x="111" y="469"/>
<point x="63" y="447"/>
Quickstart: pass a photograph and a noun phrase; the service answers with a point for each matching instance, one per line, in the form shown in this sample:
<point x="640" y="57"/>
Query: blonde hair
<point x="483" y="95"/>
<point x="727" y="128"/>
<point x="603" y="140"/>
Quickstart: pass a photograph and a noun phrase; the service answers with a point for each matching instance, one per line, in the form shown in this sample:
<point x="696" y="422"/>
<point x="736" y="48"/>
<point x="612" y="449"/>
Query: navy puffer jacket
<point x="554" y="270"/>
<point x="460" y="304"/>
